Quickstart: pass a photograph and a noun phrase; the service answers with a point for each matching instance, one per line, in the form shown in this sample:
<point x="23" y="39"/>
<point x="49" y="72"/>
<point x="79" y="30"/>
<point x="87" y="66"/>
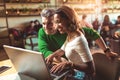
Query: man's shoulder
<point x="87" y="29"/>
<point x="41" y="30"/>
<point x="41" y="33"/>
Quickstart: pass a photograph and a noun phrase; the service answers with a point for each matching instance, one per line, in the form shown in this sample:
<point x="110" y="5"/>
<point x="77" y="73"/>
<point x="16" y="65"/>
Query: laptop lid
<point x="16" y="76"/>
<point x="27" y="62"/>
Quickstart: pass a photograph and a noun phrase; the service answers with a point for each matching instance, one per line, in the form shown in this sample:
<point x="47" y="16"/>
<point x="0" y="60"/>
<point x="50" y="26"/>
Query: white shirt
<point x="77" y="51"/>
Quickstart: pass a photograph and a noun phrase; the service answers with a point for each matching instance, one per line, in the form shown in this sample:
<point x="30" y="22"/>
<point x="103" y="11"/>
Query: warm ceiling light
<point x="65" y="1"/>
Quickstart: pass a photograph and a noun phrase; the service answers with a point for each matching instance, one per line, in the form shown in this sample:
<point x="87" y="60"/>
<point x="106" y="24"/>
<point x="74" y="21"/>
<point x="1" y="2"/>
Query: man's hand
<point x="49" y="59"/>
<point x="52" y="59"/>
<point x="111" y="55"/>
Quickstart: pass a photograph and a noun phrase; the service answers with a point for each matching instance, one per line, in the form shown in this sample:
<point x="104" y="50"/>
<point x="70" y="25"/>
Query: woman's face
<point x="61" y="23"/>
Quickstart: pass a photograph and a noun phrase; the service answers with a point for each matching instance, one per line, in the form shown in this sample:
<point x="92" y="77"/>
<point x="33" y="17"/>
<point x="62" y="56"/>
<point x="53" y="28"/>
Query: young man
<point x="49" y="39"/>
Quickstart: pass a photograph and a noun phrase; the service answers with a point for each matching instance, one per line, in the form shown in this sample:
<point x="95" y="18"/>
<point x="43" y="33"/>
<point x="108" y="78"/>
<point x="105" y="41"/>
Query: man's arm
<point x="100" y="42"/>
<point x="42" y="43"/>
<point x="92" y="34"/>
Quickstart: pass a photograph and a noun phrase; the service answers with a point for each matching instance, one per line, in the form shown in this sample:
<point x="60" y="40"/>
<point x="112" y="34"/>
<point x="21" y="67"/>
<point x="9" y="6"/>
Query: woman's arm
<point x="87" y="67"/>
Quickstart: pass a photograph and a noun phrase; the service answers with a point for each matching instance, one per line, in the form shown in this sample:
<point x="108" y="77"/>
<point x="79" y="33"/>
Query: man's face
<point x="48" y="26"/>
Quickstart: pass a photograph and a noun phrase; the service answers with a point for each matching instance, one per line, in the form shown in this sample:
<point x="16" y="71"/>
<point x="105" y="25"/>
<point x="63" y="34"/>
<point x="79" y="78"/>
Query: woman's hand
<point x="60" y="67"/>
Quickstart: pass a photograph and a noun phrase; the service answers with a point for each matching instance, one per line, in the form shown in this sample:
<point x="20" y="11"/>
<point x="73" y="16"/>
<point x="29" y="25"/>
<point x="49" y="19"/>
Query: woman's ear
<point x="72" y="27"/>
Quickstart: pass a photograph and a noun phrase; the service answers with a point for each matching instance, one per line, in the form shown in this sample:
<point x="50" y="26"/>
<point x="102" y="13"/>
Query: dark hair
<point x="36" y="20"/>
<point x="31" y="21"/>
<point x="62" y="14"/>
<point x="84" y="16"/>
<point x="119" y="16"/>
<point x="70" y="15"/>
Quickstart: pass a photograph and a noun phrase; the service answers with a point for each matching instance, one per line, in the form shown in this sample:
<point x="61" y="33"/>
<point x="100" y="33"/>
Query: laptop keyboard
<point x="4" y="68"/>
<point x="58" y="76"/>
<point x="53" y="76"/>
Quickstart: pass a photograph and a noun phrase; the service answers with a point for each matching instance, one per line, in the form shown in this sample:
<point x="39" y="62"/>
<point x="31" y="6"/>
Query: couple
<point x="62" y="34"/>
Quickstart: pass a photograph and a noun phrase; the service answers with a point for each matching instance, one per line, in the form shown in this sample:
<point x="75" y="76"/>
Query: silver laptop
<point x="30" y="63"/>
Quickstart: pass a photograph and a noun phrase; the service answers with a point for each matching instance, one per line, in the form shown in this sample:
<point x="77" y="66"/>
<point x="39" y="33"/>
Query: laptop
<point x="30" y="63"/>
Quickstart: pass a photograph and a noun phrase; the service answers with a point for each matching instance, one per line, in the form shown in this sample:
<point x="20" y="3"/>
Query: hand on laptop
<point x="58" y="68"/>
<point x="51" y="59"/>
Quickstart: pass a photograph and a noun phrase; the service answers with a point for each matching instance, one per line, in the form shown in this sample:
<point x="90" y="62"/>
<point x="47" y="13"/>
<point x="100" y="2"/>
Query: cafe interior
<point x="17" y="15"/>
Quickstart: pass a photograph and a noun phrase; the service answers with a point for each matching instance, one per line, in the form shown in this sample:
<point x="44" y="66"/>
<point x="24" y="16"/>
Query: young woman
<point x="75" y="47"/>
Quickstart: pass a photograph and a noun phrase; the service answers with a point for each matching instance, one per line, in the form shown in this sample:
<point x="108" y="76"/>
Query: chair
<point x="106" y="69"/>
<point x="115" y="42"/>
<point x="31" y="43"/>
<point x="115" y="45"/>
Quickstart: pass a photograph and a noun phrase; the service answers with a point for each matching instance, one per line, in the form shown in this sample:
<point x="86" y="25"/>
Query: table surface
<point x="11" y="74"/>
<point x="9" y="71"/>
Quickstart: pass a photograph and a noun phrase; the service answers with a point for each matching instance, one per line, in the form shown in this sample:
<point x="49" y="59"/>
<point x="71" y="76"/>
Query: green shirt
<point x="47" y="44"/>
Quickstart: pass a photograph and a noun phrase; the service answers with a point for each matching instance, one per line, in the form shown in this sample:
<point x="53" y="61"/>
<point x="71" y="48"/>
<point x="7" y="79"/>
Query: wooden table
<point x="11" y="74"/>
<point x="9" y="71"/>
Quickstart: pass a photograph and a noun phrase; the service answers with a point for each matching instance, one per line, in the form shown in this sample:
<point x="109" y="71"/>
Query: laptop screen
<point x="27" y="62"/>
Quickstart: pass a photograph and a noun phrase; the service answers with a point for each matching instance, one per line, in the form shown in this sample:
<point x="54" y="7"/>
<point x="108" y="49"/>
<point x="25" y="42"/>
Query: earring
<point x="72" y="27"/>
